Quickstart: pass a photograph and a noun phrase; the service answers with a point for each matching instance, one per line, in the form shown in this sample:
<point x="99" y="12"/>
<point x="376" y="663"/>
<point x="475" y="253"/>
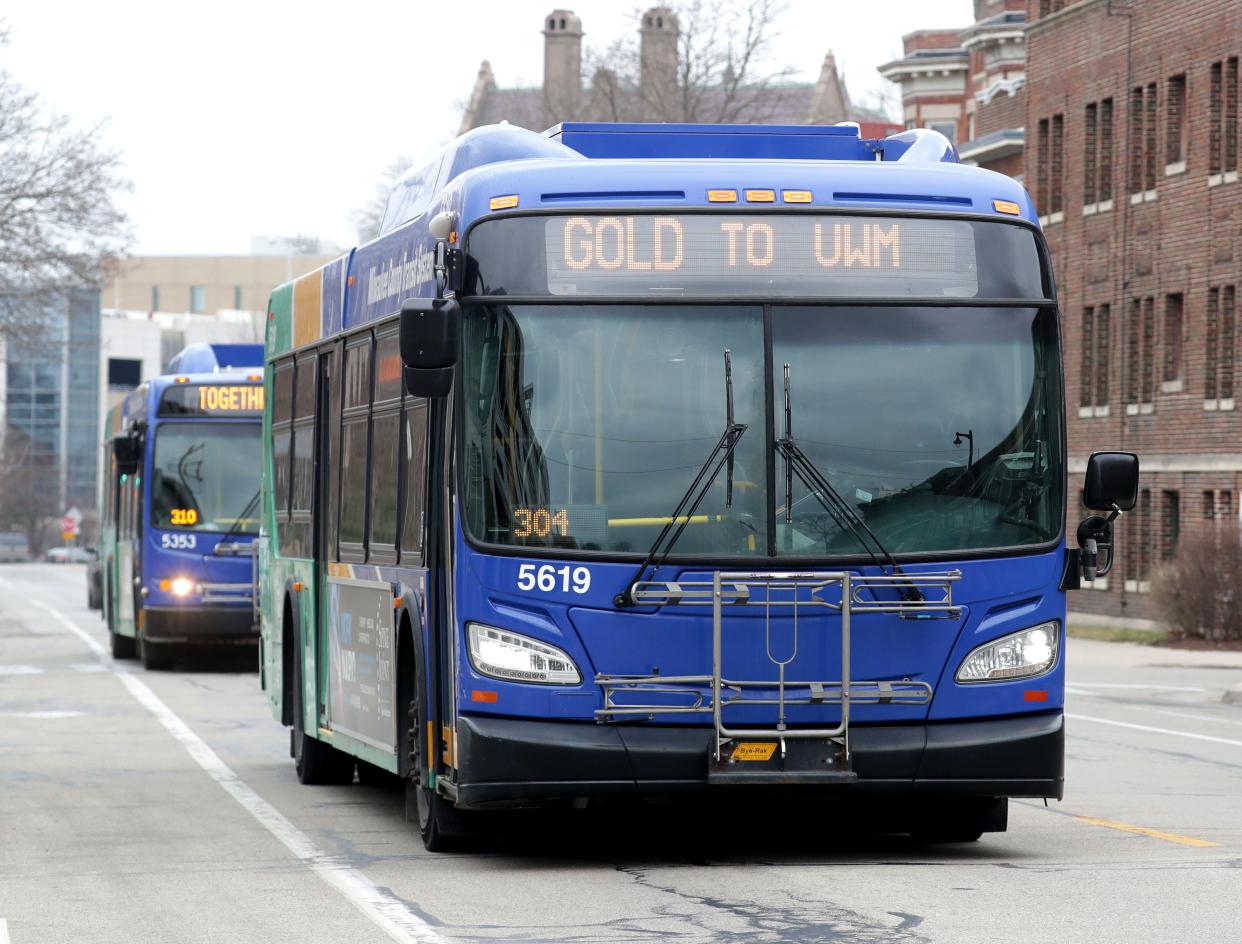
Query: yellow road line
<point x="1144" y="831"/>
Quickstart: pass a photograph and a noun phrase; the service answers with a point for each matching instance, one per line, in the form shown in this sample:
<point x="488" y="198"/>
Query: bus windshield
<point x="585" y="424"/>
<point x="203" y="476"/>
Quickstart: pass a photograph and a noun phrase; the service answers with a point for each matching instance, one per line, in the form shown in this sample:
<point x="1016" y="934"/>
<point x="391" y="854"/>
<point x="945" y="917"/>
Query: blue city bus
<point x="179" y="505"/>
<point x="640" y="459"/>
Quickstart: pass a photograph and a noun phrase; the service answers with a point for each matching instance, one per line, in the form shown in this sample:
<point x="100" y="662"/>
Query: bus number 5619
<point x="549" y="577"/>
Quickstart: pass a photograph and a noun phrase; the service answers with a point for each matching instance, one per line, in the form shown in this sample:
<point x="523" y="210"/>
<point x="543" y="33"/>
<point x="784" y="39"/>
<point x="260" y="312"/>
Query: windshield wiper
<point x="720" y="456"/>
<point x="235" y="528"/>
<point x="847" y="518"/>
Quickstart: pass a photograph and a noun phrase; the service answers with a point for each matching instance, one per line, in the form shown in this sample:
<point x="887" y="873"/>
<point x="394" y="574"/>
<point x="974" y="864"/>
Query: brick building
<point x="652" y="94"/>
<point x="1133" y="161"/>
<point x="968" y="84"/>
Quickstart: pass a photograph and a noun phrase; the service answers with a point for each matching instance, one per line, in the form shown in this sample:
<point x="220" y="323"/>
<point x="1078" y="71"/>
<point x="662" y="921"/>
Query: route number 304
<point x="549" y="577"/>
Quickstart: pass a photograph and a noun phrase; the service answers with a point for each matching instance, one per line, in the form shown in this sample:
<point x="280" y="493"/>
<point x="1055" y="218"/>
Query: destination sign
<point x="753" y="254"/>
<point x="212" y="400"/>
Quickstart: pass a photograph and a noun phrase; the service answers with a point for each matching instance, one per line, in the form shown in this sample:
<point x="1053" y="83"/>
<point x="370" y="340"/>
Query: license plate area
<point x="774" y="761"/>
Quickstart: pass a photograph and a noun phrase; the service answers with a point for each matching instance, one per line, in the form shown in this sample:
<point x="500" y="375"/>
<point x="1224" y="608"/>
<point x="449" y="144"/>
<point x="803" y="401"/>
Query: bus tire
<point x="315" y="761"/>
<point x="441" y="825"/>
<point x="122" y="646"/>
<point x="154" y="658"/>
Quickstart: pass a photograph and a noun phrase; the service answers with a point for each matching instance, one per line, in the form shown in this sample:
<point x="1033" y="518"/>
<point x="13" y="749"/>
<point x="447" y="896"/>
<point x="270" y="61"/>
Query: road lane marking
<point x="1151" y="730"/>
<point x="91" y="643"/>
<point x="20" y="670"/>
<point x="43" y="715"/>
<point x="383" y="909"/>
<point x="1144" y="831"/>
<point x="4" y="931"/>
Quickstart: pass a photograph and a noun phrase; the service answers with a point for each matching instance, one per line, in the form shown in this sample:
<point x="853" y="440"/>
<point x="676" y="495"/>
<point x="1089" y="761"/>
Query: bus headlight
<point x="178" y="586"/>
<point x="502" y="654"/>
<point x="1019" y="655"/>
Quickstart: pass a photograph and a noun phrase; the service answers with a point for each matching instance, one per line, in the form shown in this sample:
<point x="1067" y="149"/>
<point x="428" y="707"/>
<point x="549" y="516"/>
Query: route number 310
<point x="549" y="577"/>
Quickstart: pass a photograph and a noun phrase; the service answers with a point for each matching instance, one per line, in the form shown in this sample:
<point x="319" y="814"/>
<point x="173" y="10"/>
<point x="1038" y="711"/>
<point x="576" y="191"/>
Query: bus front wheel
<point x="439" y="823"/>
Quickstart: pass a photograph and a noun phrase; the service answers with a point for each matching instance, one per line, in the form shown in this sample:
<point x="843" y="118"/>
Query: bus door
<point x="125" y="554"/>
<point x="358" y="599"/>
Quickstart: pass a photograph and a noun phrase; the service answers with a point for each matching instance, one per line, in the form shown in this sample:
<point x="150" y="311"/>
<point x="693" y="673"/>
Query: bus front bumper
<point x="199" y="625"/>
<point x="505" y="761"/>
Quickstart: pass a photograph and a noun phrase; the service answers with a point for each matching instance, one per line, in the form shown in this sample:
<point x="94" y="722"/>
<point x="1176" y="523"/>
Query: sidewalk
<point x="1133" y="655"/>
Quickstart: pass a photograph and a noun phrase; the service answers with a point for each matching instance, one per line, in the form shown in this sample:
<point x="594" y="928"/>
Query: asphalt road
<point x="141" y="807"/>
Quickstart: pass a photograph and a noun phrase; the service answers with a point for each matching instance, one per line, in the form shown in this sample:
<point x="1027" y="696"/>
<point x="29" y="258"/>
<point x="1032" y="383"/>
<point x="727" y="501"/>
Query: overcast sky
<point x="266" y="117"/>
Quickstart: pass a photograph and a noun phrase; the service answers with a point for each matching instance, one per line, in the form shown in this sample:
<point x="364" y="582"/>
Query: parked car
<point x="67" y="555"/>
<point x="13" y="547"/>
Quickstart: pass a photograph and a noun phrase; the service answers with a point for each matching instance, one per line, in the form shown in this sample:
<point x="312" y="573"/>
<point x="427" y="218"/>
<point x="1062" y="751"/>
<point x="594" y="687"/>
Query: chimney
<point x="562" y="65"/>
<point x="658" y="63"/>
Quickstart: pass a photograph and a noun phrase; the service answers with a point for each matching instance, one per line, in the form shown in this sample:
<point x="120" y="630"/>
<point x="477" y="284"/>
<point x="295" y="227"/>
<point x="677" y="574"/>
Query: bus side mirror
<point x="1112" y="486"/>
<point x="1112" y="481"/>
<point x="128" y="451"/>
<point x="429" y="335"/>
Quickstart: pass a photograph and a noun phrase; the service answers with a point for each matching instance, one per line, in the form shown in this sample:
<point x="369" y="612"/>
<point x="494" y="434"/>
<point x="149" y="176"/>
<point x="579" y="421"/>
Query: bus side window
<point x="414" y="479"/>
<point x="332" y="456"/>
<point x="302" y="486"/>
<point x="385" y="449"/>
<point x="282" y="436"/>
<point x="355" y="442"/>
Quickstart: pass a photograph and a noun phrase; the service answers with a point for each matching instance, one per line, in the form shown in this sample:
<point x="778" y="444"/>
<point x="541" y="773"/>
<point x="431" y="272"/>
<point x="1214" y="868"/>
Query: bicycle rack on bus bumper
<point x="805" y="754"/>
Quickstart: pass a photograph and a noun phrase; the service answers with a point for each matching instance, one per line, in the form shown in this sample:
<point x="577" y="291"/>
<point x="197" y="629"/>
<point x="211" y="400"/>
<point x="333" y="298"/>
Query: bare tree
<point x="58" y="222"/>
<point x="714" y="66"/>
<point x="367" y="220"/>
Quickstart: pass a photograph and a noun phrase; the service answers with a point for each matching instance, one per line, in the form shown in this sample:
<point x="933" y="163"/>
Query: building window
<point x="1087" y="368"/>
<point x="1138" y="558"/>
<point x="1149" y="137"/>
<point x="1175" y="122"/>
<point x="1231" y="115"/>
<point x="1093" y="379"/>
<point x="1106" y="151"/>
<point x="1041" y="168"/>
<point x="1090" y="154"/>
<point x="124" y="373"/>
<point x="1173" y="314"/>
<point x="1136" y="140"/>
<point x="1148" y="371"/>
<point x="198" y="299"/>
<point x="1140" y="355"/>
<point x="1058" y="153"/>
<point x="1102" y="341"/>
<point x="1170" y="523"/>
<point x="155" y="298"/>
<point x="1223" y="118"/>
<point x="1217" y="505"/>
<point x="1132" y="352"/>
<point x="237" y="298"/>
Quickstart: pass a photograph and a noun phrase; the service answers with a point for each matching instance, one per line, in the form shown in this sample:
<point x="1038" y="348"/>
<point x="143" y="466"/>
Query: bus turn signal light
<point x="796" y="196"/>
<point x="722" y="196"/>
<point x="486" y="697"/>
<point x="760" y="196"/>
<point x="1007" y="206"/>
<point x="1035" y="694"/>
